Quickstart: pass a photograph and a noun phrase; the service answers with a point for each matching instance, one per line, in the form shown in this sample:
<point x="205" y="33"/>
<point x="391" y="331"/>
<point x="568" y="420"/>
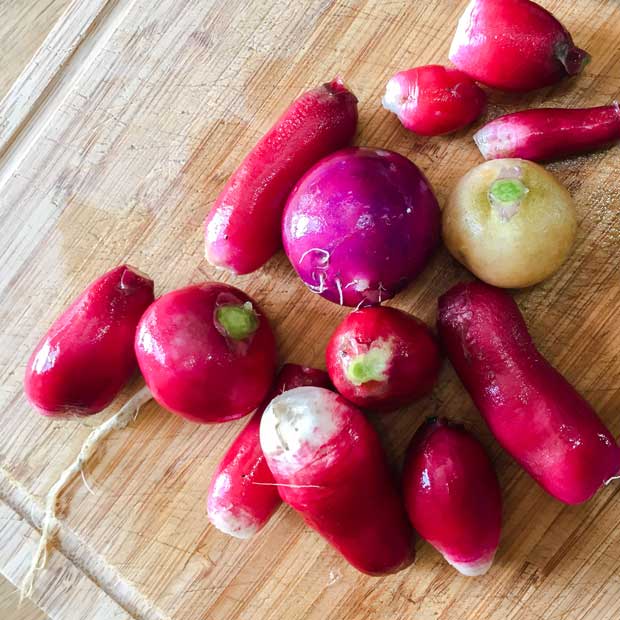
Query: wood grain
<point x="120" y="157"/>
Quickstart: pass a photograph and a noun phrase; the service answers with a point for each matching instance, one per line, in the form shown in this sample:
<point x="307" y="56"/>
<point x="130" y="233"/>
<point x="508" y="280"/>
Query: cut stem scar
<point x="238" y="321"/>
<point x="506" y="195"/>
<point x="370" y="366"/>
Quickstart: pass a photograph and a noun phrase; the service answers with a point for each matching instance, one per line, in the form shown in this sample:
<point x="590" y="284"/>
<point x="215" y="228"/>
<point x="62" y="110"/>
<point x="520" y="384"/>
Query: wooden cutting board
<point x="113" y="144"/>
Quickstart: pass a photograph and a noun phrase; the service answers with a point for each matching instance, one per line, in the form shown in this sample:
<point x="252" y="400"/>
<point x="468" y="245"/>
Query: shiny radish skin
<point x="452" y="495"/>
<point x="243" y="494"/>
<point x="546" y="134"/>
<point x="206" y="352"/>
<point x="514" y="45"/>
<point x="331" y="468"/>
<point x="433" y="100"/>
<point x="382" y="358"/>
<point x="242" y="230"/>
<point x="533" y="411"/>
<point x="87" y="355"/>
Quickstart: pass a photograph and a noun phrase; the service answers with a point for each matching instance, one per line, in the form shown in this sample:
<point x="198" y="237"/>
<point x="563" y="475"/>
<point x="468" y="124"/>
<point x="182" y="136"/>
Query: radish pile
<point x="359" y="224"/>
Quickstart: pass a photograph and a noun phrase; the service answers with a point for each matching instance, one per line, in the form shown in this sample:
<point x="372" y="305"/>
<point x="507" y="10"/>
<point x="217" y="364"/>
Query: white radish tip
<point x="472" y="569"/>
<point x="391" y="99"/>
<point x="238" y="523"/>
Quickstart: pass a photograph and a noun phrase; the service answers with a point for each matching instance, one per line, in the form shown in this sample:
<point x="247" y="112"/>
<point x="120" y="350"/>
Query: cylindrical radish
<point x="549" y="133"/>
<point x="206" y="352"/>
<point x="243" y="494"/>
<point x="330" y="467"/>
<point x="382" y="358"/>
<point x="452" y="495"/>
<point x="532" y="410"/>
<point x="242" y="230"/>
<point x="87" y="355"/>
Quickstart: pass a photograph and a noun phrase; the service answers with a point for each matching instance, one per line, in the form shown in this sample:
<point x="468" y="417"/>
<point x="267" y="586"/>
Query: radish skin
<point x="532" y="410"/>
<point x="243" y="493"/>
<point x="330" y="467"/>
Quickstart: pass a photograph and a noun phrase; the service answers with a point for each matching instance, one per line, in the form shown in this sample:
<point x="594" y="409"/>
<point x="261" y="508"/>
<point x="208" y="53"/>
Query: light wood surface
<point x="114" y="145"/>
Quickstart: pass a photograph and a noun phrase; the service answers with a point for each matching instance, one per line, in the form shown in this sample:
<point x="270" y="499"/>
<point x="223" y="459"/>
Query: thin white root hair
<point x="612" y="479"/>
<point x="85" y="482"/>
<point x="50" y="522"/>
<point x="289" y="486"/>
<point x="324" y="260"/>
<point x="339" y="287"/>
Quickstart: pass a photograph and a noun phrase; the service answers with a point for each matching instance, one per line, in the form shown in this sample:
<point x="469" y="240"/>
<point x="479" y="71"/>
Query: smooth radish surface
<point x="532" y="410"/>
<point x="434" y="100"/>
<point x="510" y="222"/>
<point x="382" y="358"/>
<point x="207" y="352"/>
<point x="360" y="225"/>
<point x="514" y="45"/>
<point x="452" y="495"/>
<point x="243" y="494"/>
<point x="331" y="468"/>
<point x="87" y="355"/>
<point x="549" y="133"/>
<point x="242" y="230"/>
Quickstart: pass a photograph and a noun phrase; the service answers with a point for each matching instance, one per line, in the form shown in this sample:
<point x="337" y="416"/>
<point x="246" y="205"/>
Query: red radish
<point x="534" y="413"/>
<point x="243" y="494"/>
<point x="330" y="467"/>
<point x="206" y="352"/>
<point x="549" y="133"/>
<point x="87" y="355"/>
<point x="360" y="225"/>
<point x="434" y="100"/>
<point x="382" y="358"/>
<point x="242" y="230"/>
<point x="452" y="495"/>
<point x="514" y="45"/>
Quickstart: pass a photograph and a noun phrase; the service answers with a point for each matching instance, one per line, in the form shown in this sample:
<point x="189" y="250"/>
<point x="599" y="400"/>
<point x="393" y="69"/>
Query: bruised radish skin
<point x="534" y="413"/>
<point x="242" y="230"/>
<point x="382" y="358"/>
<point x="550" y="133"/>
<point x="452" y="495"/>
<point x="87" y="355"/>
<point x="206" y="352"/>
<point x="514" y="45"/>
<point x="360" y="225"/>
<point x="434" y="100"/>
<point x="330" y="467"/>
<point x="243" y="494"/>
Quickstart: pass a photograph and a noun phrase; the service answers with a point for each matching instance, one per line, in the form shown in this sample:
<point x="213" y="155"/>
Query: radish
<point x="206" y="352"/>
<point x="452" y="495"/>
<point x="434" y="100"/>
<point x="87" y="355"/>
<point x="532" y="410"/>
<point x="382" y="358"/>
<point x="514" y="45"/>
<point x="360" y="225"/>
<point x="243" y="494"/>
<point x="242" y="230"/>
<point x="330" y="467"/>
<point x="549" y="133"/>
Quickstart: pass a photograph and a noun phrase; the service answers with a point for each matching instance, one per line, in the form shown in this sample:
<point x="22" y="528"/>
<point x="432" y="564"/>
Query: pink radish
<point x="243" y="494"/>
<point x="434" y="100"/>
<point x="532" y="410"/>
<point x="206" y="352"/>
<point x="330" y="467"/>
<point x="452" y="495"/>
<point x="87" y="355"/>
<point x="549" y="133"/>
<point x="514" y="45"/>
<point x="382" y="358"/>
<point x="242" y="230"/>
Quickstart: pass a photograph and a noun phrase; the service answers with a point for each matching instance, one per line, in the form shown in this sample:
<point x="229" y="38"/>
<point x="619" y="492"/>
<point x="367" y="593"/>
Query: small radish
<point x="206" y="352"/>
<point x="360" y="225"/>
<point x="550" y="133"/>
<point x="452" y="495"/>
<point x="434" y="100"/>
<point x="534" y="413"/>
<point x="243" y="494"/>
<point x="242" y="230"/>
<point x="514" y="45"/>
<point x="330" y="467"/>
<point x="382" y="358"/>
<point x="87" y="355"/>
